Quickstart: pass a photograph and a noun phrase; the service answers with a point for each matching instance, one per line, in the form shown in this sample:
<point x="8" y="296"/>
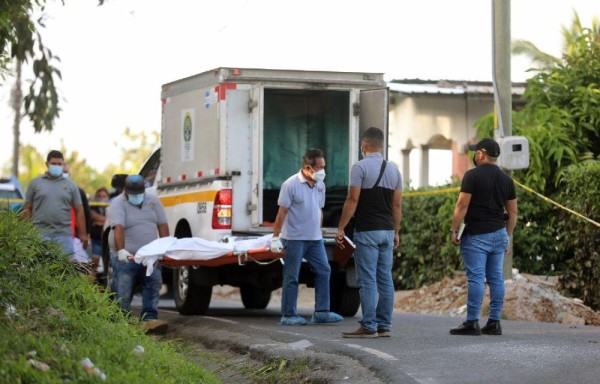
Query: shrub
<point x="579" y="239"/>
<point x="425" y="254"/>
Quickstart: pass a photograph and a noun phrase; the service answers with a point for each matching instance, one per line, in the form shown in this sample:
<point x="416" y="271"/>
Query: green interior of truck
<point x="297" y="120"/>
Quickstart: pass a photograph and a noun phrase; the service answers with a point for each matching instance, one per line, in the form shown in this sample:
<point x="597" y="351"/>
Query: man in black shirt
<point x="488" y="205"/>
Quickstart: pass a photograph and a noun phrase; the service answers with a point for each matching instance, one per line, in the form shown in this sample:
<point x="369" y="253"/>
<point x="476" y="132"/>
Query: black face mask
<point x="475" y="159"/>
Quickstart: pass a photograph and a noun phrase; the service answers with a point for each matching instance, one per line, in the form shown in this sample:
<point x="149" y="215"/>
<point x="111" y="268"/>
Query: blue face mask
<point x="55" y="170"/>
<point x="135" y="199"/>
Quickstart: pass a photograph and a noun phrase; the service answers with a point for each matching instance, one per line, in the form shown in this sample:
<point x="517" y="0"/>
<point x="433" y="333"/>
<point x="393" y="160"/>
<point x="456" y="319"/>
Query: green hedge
<point x="578" y="239"/>
<point x="425" y="254"/>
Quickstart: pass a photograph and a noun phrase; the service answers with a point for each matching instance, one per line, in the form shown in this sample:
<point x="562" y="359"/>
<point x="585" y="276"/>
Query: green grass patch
<point x="52" y="317"/>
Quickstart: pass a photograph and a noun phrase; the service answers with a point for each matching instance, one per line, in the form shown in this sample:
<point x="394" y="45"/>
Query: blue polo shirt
<point x="304" y="204"/>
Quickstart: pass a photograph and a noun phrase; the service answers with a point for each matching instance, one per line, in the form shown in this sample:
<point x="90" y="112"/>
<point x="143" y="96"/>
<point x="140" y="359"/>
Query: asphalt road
<point x="420" y="350"/>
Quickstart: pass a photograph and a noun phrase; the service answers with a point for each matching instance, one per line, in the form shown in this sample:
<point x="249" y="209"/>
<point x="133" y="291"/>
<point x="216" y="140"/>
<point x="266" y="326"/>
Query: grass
<point x="52" y="317"/>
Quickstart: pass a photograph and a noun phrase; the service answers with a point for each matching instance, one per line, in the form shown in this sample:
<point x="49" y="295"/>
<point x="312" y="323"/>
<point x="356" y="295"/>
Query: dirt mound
<point x="528" y="297"/>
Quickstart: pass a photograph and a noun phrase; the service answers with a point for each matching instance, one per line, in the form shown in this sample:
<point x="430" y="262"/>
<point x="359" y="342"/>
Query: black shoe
<point x="469" y="327"/>
<point x="492" y="327"/>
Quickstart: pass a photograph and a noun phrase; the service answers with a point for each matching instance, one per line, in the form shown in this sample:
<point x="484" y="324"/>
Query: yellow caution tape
<point x="433" y="192"/>
<point x="555" y="203"/>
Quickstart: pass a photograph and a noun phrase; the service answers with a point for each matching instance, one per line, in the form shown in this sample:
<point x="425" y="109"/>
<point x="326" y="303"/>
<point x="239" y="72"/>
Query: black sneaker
<point x="492" y="327"/>
<point x="469" y="327"/>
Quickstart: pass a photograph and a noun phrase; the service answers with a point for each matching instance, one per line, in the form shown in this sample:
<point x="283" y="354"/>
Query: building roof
<point x="449" y="87"/>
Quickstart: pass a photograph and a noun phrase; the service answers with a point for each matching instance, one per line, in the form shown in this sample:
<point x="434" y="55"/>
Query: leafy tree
<point x="561" y="117"/>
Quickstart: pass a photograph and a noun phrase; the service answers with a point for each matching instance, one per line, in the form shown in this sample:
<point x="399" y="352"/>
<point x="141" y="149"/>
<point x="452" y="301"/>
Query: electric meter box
<point x="514" y="152"/>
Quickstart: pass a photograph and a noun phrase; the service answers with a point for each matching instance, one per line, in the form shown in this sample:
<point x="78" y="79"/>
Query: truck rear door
<point x="374" y="112"/>
<point x="239" y="156"/>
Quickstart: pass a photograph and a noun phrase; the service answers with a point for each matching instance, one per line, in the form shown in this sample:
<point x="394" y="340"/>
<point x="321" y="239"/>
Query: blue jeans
<point x="483" y="256"/>
<point x="97" y="247"/>
<point x="125" y="275"/>
<point x="313" y="251"/>
<point x="65" y="242"/>
<point x="373" y="258"/>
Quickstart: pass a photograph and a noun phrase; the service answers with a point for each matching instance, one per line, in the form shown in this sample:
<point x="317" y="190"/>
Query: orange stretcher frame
<point x="260" y="255"/>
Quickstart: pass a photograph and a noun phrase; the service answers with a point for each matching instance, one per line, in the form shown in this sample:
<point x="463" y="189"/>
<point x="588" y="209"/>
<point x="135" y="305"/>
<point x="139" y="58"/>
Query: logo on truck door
<point x="187" y="135"/>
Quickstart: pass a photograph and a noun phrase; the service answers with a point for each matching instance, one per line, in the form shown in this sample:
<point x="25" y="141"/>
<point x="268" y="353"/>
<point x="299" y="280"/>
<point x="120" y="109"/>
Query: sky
<point x="114" y="58"/>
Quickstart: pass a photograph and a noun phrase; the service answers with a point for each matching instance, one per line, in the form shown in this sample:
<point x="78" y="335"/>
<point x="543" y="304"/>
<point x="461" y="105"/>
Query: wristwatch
<point x="453" y="230"/>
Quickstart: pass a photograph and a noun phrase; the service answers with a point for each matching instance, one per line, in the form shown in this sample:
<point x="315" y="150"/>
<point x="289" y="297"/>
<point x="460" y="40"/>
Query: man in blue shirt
<point x="375" y="200"/>
<point x="298" y="223"/>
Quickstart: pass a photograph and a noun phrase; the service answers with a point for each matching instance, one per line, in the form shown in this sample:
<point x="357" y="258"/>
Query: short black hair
<point x="374" y="137"/>
<point x="311" y="156"/>
<point x="54" y="154"/>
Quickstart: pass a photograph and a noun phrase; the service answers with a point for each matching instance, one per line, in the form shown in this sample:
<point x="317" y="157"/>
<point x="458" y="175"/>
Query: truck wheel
<point x="254" y="298"/>
<point x="190" y="299"/>
<point x="344" y="300"/>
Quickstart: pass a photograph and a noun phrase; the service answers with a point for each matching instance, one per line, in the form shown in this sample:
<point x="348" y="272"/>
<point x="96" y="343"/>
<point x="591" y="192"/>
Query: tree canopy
<point x="21" y="40"/>
<point x="561" y="117"/>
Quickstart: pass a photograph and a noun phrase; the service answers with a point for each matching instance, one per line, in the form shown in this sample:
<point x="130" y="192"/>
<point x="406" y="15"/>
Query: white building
<point x="432" y="122"/>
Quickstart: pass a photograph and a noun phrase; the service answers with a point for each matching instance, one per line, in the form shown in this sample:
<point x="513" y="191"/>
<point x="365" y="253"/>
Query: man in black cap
<point x="488" y="205"/>
<point x="137" y="218"/>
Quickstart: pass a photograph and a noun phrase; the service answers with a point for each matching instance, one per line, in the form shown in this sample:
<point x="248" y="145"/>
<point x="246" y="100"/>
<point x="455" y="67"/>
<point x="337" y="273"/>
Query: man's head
<point x="134" y="189"/>
<point x="314" y="164"/>
<point x="485" y="149"/>
<point x="55" y="162"/>
<point x="372" y="140"/>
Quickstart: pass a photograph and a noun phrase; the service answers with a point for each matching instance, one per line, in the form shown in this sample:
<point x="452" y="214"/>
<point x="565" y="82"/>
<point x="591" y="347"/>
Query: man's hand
<point x="276" y="245"/>
<point x="396" y="239"/>
<point x="123" y="255"/>
<point x="339" y="237"/>
<point x="84" y="240"/>
<point x="453" y="238"/>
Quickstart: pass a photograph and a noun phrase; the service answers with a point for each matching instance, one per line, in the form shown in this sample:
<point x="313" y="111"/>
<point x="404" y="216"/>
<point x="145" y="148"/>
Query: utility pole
<point x="16" y="101"/>
<point x="502" y="88"/>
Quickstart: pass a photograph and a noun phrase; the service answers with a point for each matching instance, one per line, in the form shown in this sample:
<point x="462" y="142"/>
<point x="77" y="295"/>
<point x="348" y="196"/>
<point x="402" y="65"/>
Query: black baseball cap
<point x="487" y="145"/>
<point x="134" y="184"/>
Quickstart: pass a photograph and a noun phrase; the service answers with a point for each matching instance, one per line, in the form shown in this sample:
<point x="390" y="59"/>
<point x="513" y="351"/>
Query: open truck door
<point x="374" y="105"/>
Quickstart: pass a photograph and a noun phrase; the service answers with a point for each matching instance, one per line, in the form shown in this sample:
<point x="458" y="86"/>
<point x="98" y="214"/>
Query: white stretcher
<point x="195" y="251"/>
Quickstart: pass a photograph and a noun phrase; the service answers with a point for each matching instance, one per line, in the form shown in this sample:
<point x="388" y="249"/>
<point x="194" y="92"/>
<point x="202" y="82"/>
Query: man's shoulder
<point x="292" y="180"/>
<point x="151" y="198"/>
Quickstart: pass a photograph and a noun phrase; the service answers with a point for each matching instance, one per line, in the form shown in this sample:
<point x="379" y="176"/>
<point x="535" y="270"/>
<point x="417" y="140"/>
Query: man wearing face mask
<point x="48" y="203"/>
<point x="375" y="200"/>
<point x="486" y="195"/>
<point x="137" y="218"/>
<point x="298" y="229"/>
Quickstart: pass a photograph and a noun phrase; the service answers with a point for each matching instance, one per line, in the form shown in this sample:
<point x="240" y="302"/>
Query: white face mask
<point x="319" y="175"/>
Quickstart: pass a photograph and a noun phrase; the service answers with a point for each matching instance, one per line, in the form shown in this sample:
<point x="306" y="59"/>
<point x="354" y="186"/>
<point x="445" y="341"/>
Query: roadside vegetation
<point x="561" y="120"/>
<point x="52" y="319"/>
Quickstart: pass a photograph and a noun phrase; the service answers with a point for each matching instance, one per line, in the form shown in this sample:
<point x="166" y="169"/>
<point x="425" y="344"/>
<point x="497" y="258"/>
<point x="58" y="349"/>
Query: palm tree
<point x="541" y="59"/>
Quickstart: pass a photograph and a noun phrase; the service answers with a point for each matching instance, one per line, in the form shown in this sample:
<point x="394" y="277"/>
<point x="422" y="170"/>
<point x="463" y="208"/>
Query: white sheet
<point x="193" y="248"/>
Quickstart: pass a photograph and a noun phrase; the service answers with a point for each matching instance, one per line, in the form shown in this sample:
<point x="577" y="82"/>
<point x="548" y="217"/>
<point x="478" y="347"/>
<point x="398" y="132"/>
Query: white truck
<point x="230" y="137"/>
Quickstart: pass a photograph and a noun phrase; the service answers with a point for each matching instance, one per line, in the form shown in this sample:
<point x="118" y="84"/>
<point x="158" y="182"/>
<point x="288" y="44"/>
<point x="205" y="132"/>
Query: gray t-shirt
<point x="140" y="225"/>
<point x="51" y="201"/>
<point x="304" y="204"/>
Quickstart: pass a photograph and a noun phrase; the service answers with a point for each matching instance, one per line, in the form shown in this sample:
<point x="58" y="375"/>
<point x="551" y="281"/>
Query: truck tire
<point x="190" y="299"/>
<point x="344" y="300"/>
<point x="254" y="297"/>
